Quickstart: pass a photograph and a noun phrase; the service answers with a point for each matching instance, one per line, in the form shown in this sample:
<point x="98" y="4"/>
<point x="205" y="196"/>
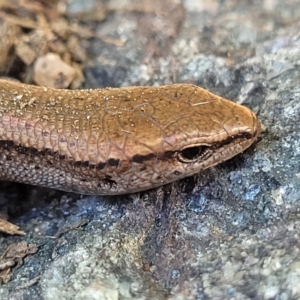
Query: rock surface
<point x="231" y="232"/>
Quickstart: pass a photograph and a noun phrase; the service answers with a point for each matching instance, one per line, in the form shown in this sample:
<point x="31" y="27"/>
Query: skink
<point x="116" y="140"/>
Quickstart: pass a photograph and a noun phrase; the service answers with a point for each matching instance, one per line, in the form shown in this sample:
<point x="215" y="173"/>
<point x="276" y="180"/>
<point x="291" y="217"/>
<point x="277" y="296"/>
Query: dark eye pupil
<point x="192" y="154"/>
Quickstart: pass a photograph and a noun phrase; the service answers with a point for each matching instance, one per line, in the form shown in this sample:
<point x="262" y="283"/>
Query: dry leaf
<point x="13" y="257"/>
<point x="10" y="228"/>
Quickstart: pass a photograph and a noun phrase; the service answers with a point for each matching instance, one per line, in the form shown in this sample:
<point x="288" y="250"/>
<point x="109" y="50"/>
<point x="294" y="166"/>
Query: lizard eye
<point x="194" y="153"/>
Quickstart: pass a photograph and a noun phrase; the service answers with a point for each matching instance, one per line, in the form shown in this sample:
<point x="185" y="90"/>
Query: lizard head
<point x="178" y="131"/>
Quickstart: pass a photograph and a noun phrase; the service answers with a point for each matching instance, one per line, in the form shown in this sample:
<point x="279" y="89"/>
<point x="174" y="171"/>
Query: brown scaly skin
<point x="116" y="140"/>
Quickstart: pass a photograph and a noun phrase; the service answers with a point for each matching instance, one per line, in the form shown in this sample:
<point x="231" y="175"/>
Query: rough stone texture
<point x="232" y="232"/>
